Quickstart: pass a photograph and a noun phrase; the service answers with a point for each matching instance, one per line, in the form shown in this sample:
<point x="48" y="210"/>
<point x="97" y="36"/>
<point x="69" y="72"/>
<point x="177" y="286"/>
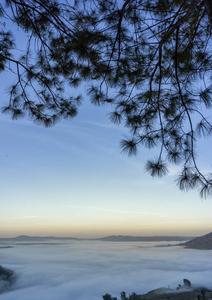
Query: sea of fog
<point x="86" y="270"/>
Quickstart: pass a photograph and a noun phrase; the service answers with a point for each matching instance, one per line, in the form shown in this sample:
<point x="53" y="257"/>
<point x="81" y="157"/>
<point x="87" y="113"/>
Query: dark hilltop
<point x="203" y="242"/>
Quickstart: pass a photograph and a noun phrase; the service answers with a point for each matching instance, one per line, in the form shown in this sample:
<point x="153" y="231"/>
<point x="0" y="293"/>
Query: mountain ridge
<point x="110" y="238"/>
<point x="155" y="238"/>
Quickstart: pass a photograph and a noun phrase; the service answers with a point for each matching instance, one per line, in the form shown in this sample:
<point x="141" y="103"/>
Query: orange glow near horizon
<point x="94" y="231"/>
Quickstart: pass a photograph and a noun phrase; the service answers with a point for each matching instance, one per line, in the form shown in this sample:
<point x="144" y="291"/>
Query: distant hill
<point x="27" y="238"/>
<point x="111" y="238"/>
<point x="128" y="238"/>
<point x="203" y="242"/>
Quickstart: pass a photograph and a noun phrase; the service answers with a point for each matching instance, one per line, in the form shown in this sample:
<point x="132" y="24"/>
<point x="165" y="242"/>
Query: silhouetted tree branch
<point x="150" y="61"/>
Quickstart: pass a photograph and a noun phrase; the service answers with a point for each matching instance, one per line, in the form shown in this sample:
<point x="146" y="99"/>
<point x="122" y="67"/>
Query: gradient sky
<point x="73" y="180"/>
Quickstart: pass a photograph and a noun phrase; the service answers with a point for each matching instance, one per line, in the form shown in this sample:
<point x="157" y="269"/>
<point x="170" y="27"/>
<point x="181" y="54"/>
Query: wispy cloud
<point x="108" y="125"/>
<point x="118" y="211"/>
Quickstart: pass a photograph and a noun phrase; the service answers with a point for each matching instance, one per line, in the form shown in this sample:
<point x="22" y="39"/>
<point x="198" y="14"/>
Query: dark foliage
<point x="187" y="282"/>
<point x="7" y="278"/>
<point x="123" y="295"/>
<point x="6" y="274"/>
<point x="108" y="297"/>
<point x="150" y="61"/>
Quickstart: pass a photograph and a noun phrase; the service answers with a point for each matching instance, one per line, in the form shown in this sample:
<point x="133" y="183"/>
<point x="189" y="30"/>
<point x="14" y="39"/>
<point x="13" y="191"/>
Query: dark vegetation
<point x="204" y="242"/>
<point x="149" y="61"/>
<point x="7" y="278"/>
<point x="123" y="295"/>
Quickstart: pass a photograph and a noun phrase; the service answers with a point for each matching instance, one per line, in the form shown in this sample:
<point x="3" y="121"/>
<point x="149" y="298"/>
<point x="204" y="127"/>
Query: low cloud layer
<point x="85" y="270"/>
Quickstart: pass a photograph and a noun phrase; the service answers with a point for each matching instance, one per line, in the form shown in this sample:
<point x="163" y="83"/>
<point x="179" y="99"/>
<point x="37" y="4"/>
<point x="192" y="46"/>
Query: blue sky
<point x="72" y="179"/>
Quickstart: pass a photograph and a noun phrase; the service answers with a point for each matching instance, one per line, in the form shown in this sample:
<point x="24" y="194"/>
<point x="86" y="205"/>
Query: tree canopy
<point x="123" y="295"/>
<point x="149" y="61"/>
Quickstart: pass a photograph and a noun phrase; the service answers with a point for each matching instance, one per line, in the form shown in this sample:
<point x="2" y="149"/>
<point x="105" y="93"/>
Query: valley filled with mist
<point x="86" y="270"/>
